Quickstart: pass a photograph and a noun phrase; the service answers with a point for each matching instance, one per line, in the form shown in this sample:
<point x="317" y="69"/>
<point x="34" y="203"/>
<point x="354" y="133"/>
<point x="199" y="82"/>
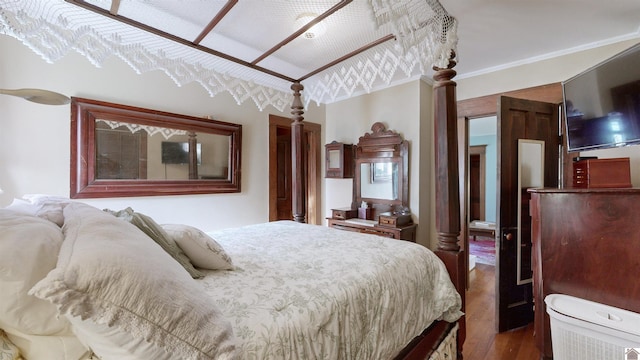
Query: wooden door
<point x="279" y="148"/>
<point x="474" y="187"/>
<point x="477" y="182"/>
<point x="519" y="119"/>
<point x="283" y="188"/>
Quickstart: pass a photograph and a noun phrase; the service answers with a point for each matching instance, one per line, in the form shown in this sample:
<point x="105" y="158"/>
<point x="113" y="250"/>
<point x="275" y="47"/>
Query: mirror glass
<point x="334" y="159"/>
<point x="530" y="175"/>
<point x="119" y="150"/>
<point x="379" y="180"/>
<point x="158" y="153"/>
<point x="381" y="176"/>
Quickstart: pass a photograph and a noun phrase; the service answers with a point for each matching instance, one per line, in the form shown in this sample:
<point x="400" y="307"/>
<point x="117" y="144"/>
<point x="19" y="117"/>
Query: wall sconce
<point x="38" y="96"/>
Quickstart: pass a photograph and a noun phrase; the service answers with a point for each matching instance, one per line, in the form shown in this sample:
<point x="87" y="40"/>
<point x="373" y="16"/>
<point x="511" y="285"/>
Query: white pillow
<point x="29" y="248"/>
<point x="48" y="206"/>
<point x="110" y="273"/>
<point x="59" y="347"/>
<point x="203" y="251"/>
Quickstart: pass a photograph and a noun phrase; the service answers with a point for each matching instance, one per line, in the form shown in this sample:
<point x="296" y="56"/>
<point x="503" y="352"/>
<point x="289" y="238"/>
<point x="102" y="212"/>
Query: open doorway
<point x="469" y="111"/>
<point x="481" y="198"/>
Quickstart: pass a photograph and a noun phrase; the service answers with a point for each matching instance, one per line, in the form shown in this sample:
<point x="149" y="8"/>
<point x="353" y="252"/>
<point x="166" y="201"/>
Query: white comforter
<point x="311" y="292"/>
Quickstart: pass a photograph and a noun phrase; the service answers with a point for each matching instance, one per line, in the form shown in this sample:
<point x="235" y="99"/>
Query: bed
<point x="89" y="282"/>
<point x="55" y="286"/>
<point x="46" y="320"/>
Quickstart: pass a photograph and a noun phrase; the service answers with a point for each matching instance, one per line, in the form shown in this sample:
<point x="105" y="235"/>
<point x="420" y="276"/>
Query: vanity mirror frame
<point x="84" y="184"/>
<point x="382" y="145"/>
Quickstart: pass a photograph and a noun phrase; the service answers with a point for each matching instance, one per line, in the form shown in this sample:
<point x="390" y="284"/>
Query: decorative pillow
<point x="8" y="351"/>
<point x="157" y="233"/>
<point x="110" y="274"/>
<point x="203" y="251"/>
<point x="29" y="248"/>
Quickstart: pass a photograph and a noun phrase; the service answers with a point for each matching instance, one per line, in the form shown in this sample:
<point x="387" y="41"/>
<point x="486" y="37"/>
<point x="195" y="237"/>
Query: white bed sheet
<point x="311" y="292"/>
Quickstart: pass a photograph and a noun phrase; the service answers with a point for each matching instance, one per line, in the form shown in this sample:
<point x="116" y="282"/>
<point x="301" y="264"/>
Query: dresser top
<point x="584" y="190"/>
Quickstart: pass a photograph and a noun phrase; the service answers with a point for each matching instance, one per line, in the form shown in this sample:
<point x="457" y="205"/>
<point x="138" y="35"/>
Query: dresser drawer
<point x="344" y="214"/>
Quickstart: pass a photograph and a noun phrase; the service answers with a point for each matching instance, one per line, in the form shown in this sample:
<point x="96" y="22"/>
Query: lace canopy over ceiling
<point x="251" y="49"/>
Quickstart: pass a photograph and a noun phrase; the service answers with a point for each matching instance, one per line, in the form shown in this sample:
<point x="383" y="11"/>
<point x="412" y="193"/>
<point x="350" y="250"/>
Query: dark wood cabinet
<point x="586" y="244"/>
<point x="380" y="185"/>
<point x="602" y="173"/>
<point x="339" y="160"/>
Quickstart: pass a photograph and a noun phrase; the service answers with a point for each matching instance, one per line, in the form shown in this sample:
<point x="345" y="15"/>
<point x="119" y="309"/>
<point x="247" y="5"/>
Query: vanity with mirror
<point x="119" y="150"/>
<point x="380" y="187"/>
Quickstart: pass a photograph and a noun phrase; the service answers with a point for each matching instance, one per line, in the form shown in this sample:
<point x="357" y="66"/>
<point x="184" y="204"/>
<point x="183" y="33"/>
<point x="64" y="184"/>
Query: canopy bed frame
<point x="447" y="198"/>
<point x="426" y="39"/>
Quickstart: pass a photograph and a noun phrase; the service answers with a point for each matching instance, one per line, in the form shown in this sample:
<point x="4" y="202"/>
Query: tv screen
<point x="178" y="152"/>
<point x="602" y="104"/>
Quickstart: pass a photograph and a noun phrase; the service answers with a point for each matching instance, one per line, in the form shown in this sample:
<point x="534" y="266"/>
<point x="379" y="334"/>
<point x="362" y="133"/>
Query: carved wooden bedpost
<point x="447" y="175"/>
<point x="298" y="168"/>
<point x="193" y="155"/>
<point x="447" y="182"/>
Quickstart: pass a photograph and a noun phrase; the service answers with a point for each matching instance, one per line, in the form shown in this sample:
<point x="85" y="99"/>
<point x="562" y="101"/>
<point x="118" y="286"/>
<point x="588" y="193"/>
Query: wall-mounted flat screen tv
<point x="602" y="104"/>
<point x="178" y="152"/>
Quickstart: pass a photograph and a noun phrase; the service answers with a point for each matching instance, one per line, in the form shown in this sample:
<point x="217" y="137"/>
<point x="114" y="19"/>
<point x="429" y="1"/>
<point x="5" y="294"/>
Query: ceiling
<point x="255" y="49"/>
<point x="495" y="34"/>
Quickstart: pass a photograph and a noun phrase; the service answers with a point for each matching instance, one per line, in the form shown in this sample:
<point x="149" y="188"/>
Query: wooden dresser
<point x="586" y="243"/>
<point x="406" y="232"/>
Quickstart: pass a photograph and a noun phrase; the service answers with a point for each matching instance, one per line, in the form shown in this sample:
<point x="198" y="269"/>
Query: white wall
<point x="34" y="138"/>
<point x="551" y="71"/>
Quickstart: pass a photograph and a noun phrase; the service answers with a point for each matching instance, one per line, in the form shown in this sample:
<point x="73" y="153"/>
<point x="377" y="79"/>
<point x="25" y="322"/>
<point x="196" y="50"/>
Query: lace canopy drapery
<point x="425" y="35"/>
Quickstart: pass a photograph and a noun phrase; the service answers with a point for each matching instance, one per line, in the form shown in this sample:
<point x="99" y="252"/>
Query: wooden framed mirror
<point x="381" y="176"/>
<point x="119" y="150"/>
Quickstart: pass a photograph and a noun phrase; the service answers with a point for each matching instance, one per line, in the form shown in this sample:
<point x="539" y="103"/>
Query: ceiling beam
<point x="221" y="14"/>
<point x="179" y="40"/>
<point x="349" y="55"/>
<point x="300" y="31"/>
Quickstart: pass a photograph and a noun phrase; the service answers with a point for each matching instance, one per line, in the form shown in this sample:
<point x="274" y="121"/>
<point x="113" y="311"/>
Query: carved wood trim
<point x="298" y="180"/>
<point x="446" y="143"/>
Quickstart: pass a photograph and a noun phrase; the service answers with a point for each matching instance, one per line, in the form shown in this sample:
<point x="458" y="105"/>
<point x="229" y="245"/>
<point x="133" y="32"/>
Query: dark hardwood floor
<point x="482" y="342"/>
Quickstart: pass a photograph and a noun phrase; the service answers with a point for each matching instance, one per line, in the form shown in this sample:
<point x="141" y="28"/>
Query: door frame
<point x="484" y="106"/>
<point x="312" y="133"/>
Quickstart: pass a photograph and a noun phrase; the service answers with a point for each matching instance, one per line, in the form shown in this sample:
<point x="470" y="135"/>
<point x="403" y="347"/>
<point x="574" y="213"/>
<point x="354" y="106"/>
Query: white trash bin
<point x="582" y="329"/>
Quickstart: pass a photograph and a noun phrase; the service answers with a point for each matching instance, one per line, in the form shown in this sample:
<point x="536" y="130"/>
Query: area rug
<point x="484" y="249"/>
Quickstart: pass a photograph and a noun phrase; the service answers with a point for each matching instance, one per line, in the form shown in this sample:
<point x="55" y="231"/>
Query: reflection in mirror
<point x="379" y="180"/>
<point x="530" y="175"/>
<point x="143" y="152"/>
<point x="334" y="159"/>
<point x="119" y="150"/>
